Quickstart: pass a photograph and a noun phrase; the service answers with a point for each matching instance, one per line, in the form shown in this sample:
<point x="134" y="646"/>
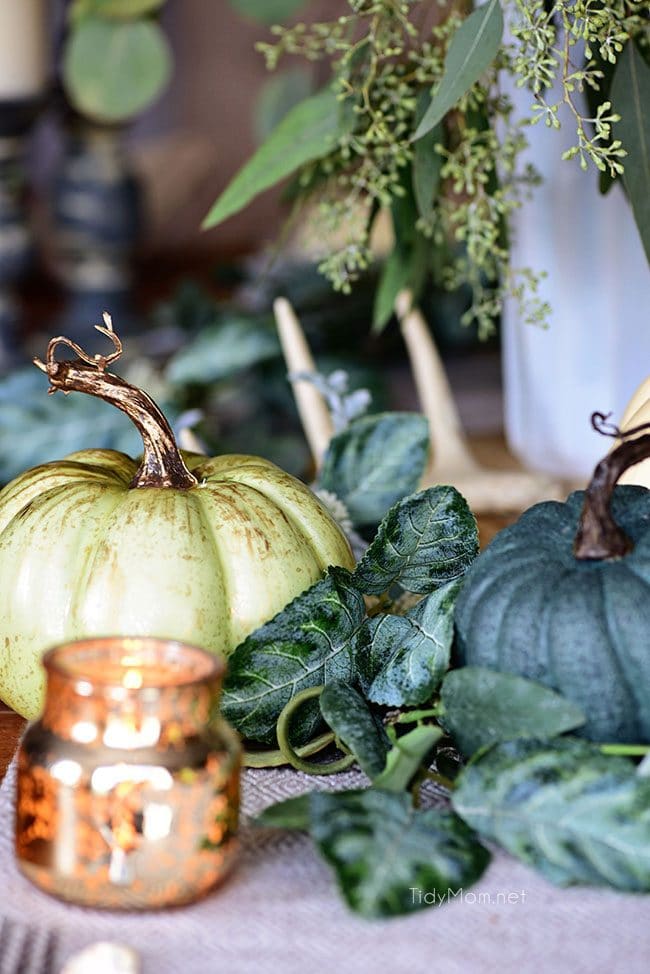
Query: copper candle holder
<point x="128" y="785"/>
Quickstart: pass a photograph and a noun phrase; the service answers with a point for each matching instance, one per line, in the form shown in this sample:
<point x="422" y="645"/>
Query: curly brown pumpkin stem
<point x="599" y="536"/>
<point x="162" y="464"/>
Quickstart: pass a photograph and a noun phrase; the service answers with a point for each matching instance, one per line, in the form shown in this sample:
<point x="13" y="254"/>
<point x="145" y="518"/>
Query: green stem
<point x="275" y="758"/>
<point x="627" y="750"/>
<point x="415" y="716"/>
<point x="291" y="755"/>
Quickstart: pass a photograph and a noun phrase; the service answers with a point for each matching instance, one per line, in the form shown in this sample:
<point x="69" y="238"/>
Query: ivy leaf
<point x="292" y="813"/>
<point x="406" y="756"/>
<point x="267" y="11"/>
<point x="482" y="706"/>
<point x="306" y="644"/>
<point x="381" y="849"/>
<point x="630" y="98"/>
<point x="425" y="541"/>
<point x="564" y="808"/>
<point x="113" y="69"/>
<point x="355" y="726"/>
<point x="374" y="462"/>
<point x="307" y="132"/>
<point x="222" y="349"/>
<point x="472" y="50"/>
<point x="427" y="163"/>
<point x="401" y="660"/>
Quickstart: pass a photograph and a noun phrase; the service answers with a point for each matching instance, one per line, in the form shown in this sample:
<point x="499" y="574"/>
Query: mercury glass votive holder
<point x="128" y="785"/>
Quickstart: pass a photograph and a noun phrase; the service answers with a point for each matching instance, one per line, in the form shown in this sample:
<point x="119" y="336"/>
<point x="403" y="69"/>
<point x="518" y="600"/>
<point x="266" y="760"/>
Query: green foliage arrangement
<point x="116" y="59"/>
<point x="415" y="121"/>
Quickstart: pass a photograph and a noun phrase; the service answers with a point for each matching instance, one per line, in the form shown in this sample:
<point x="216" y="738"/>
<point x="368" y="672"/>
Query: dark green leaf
<point x="401" y="660"/>
<point x="563" y="807"/>
<point x="348" y="715"/>
<point x="472" y="50"/>
<point x="427" y="163"/>
<point x="375" y="462"/>
<point x="292" y="813"/>
<point x="424" y="541"/>
<point x="306" y="644"/>
<point x="631" y="98"/>
<point x="382" y="850"/>
<point x="406" y="757"/>
<point x="223" y="349"/>
<point x="307" y="132"/>
<point x="113" y="69"/>
<point x="267" y="11"/>
<point x="482" y="706"/>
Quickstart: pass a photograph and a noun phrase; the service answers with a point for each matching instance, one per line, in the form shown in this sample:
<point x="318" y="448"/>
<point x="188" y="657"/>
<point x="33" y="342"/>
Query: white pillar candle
<point x="24" y="48"/>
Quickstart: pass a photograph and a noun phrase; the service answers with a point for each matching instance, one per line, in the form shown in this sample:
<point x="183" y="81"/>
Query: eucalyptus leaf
<point x="306" y="133"/>
<point x="401" y="660"/>
<point x="482" y="706"/>
<point x="292" y="813"/>
<point x="347" y="713"/>
<point x="113" y="69"/>
<point x="472" y="50"/>
<point x="114" y="9"/>
<point x="563" y="807"/>
<point x="374" y="462"/>
<point x="223" y="349"/>
<point x="395" y="276"/>
<point x="267" y="11"/>
<point x="425" y="541"/>
<point x="630" y="95"/>
<point x="382" y="849"/>
<point x="278" y="95"/>
<point x="305" y="645"/>
<point x="406" y="757"/>
<point x="427" y="163"/>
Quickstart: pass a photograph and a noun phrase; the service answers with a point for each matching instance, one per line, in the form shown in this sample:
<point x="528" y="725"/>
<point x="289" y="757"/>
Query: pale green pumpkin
<point x="190" y="548"/>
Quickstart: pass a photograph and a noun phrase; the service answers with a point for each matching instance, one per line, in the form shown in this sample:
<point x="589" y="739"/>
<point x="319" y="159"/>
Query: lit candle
<point x="24" y="60"/>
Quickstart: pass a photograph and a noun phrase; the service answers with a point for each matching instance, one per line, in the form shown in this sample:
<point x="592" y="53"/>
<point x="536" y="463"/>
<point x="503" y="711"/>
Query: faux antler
<point x="452" y="462"/>
<point x="312" y="408"/>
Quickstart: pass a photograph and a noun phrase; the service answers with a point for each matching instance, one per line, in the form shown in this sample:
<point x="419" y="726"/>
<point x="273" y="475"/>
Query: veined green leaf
<point x="376" y="461"/>
<point x="114" y="69"/>
<point x="306" y="644"/>
<point x="631" y="99"/>
<point x="563" y="807"/>
<point x="424" y="541"/>
<point x="471" y="51"/>
<point x="482" y="706"/>
<point x="350" y="718"/>
<point x="401" y="660"/>
<point x="406" y="756"/>
<point x="382" y="849"/>
<point x="267" y="11"/>
<point x="307" y="132"/>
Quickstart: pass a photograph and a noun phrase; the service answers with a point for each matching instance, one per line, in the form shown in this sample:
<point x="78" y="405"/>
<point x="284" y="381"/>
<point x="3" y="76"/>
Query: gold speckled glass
<point x="128" y="785"/>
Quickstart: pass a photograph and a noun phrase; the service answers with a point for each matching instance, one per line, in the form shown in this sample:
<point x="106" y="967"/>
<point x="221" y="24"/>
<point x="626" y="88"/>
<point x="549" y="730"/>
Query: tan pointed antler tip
<point x="108" y="321"/>
<point x="40" y="364"/>
<point x="403" y="303"/>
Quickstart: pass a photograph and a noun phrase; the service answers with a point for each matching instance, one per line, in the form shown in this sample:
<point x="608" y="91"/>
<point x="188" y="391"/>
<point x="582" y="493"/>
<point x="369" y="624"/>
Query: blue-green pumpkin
<point x="563" y="597"/>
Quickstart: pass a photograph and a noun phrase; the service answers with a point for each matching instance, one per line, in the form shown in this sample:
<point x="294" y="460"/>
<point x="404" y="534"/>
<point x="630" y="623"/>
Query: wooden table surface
<point x="489" y="450"/>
